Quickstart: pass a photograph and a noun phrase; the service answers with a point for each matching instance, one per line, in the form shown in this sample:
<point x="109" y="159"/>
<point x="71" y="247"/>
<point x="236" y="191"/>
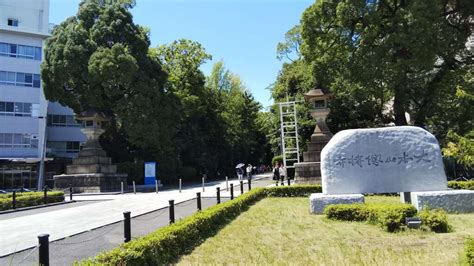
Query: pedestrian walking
<point x="276" y="174"/>
<point x="282" y="172"/>
<point x="249" y="171"/>
<point x="240" y="170"/>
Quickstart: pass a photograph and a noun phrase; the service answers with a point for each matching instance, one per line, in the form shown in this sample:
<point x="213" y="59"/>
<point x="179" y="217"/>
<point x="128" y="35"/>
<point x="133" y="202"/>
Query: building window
<point x="7" y="78"/>
<point x="20" y="79"/>
<point x="14" y="140"/>
<point x="15" y="109"/>
<point x="62" y="121"/>
<point x="36" y="80"/>
<point x="12" y="22"/>
<point x="20" y="51"/>
<point x="64" y="146"/>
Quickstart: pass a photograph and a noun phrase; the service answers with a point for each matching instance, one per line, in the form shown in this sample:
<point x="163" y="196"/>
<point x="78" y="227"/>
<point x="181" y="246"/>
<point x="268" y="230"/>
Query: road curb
<point x="36" y="207"/>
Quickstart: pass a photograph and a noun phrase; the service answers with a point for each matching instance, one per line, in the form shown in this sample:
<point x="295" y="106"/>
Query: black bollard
<point x="171" y="211"/>
<point x="198" y="198"/>
<point x="231" y="191"/>
<point x="45" y="198"/>
<point x="127" y="228"/>
<point x="241" y="187"/>
<point x="250" y="184"/>
<point x="14" y="200"/>
<point x="70" y="193"/>
<point x="218" y="194"/>
<point x="43" y="242"/>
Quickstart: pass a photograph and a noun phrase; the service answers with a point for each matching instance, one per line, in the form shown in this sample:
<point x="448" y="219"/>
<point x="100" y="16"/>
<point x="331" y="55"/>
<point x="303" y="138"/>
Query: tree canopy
<point x="162" y="106"/>
<point x="413" y="52"/>
<point x="384" y="61"/>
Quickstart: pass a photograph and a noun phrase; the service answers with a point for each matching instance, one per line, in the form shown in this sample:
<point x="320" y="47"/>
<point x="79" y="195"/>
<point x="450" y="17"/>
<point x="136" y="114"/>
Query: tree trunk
<point x="399" y="108"/>
<point x="420" y="119"/>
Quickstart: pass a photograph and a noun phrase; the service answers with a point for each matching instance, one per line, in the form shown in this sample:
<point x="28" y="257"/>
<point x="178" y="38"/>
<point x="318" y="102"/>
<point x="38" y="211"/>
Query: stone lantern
<point x="309" y="171"/>
<point x="93" y="124"/>
<point x="92" y="170"/>
<point x="319" y="101"/>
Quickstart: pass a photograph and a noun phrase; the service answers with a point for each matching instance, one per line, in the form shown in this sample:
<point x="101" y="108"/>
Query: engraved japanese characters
<point x="380" y="160"/>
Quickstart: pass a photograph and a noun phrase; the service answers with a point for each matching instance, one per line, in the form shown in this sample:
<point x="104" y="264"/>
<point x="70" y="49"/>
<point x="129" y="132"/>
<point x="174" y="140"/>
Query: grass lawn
<point x="282" y="231"/>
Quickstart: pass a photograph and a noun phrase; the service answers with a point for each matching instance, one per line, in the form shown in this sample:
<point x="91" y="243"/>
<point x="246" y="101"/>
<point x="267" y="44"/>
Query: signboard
<point x="150" y="173"/>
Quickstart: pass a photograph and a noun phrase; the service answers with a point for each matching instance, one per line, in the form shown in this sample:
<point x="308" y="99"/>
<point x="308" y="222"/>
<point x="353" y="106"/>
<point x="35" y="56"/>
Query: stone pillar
<point x="309" y="171"/>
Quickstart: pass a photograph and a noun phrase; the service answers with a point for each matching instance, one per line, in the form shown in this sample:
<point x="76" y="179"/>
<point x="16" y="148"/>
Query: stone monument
<point x="92" y="170"/>
<point x="309" y="171"/>
<point x="402" y="159"/>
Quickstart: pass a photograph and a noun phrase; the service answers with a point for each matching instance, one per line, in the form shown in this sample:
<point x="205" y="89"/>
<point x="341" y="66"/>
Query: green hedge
<point x="469" y="250"/>
<point x="27" y="199"/>
<point x="167" y="244"/>
<point x="277" y="159"/>
<point x="389" y="216"/>
<point x="461" y="184"/>
<point x="293" y="191"/>
<point x="436" y="220"/>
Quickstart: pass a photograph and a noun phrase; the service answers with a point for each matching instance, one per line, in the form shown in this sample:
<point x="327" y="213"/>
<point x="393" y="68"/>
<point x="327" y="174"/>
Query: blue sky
<point x="244" y="33"/>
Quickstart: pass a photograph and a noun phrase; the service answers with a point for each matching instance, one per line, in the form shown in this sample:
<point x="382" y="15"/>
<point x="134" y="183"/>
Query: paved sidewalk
<point x="91" y="243"/>
<point x="20" y="232"/>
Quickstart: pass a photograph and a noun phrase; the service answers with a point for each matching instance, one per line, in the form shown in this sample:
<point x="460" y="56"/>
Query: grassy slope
<point x="281" y="231"/>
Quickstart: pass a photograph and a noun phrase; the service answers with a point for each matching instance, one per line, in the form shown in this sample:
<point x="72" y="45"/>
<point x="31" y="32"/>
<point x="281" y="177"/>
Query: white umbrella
<point x="240" y="165"/>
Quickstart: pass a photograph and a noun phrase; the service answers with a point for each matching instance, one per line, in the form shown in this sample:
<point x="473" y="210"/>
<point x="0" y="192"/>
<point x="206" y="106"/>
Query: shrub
<point x="277" y="159"/>
<point x="469" y="249"/>
<point x="27" y="199"/>
<point x="347" y="212"/>
<point x="391" y="220"/>
<point x="187" y="173"/>
<point x="165" y="245"/>
<point x="436" y="220"/>
<point x="390" y="216"/>
<point x="461" y="184"/>
<point x="293" y="191"/>
<point x="134" y="170"/>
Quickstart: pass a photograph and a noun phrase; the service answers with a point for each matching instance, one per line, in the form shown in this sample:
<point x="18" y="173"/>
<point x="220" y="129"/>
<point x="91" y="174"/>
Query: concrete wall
<point x="32" y="15"/>
<point x="32" y="30"/>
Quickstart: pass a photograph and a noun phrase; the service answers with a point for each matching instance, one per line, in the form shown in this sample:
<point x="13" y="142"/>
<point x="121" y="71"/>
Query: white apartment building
<point x="28" y="123"/>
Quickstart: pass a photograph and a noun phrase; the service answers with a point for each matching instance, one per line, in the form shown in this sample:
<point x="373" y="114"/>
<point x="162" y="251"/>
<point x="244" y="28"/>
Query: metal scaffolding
<point x="289" y="133"/>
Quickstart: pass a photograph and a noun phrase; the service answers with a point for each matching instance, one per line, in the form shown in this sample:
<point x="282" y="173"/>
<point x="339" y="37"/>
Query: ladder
<point x="289" y="134"/>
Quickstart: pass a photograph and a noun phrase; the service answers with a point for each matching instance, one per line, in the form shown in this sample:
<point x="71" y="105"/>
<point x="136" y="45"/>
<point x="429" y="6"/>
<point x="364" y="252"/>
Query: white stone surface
<point x="461" y="201"/>
<point x="380" y="160"/>
<point x="318" y="201"/>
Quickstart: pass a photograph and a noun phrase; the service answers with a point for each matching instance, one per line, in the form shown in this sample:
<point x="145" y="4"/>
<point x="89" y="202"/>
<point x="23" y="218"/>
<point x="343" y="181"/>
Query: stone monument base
<point x="307" y="173"/>
<point x="91" y="183"/>
<point x="318" y="201"/>
<point x="457" y="201"/>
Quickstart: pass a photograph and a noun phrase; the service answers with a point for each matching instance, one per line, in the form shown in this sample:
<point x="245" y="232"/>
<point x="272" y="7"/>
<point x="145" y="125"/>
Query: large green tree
<point x="244" y="135"/>
<point x="413" y="52"/>
<point x="199" y="133"/>
<point x="99" y="59"/>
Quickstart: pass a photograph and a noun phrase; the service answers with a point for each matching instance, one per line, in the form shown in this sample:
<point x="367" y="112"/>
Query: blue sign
<point x="150" y="173"/>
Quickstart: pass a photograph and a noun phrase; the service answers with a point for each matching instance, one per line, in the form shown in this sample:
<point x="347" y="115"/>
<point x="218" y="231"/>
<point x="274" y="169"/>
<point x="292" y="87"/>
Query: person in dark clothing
<point x="276" y="173"/>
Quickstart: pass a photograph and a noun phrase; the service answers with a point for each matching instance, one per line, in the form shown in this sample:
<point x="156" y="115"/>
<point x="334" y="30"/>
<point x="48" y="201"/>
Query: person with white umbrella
<point x="240" y="171"/>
